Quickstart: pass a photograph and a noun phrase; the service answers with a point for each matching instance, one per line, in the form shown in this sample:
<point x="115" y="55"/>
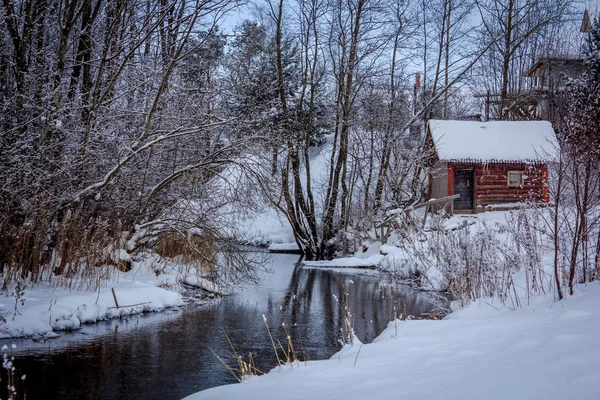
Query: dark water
<point x="168" y="355"/>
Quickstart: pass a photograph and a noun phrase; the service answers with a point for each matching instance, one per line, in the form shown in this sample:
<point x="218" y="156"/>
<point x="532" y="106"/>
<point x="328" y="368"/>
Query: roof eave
<point x="493" y="161"/>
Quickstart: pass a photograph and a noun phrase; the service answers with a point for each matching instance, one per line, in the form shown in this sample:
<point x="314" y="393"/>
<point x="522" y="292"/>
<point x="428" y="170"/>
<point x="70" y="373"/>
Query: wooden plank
<point x="508" y="198"/>
<point x="481" y="187"/>
<point x="503" y="171"/>
<point x="508" y="195"/>
<point x="504" y="181"/>
<point x="450" y="179"/>
<point x="391" y="214"/>
<point x="115" y="297"/>
<point x="537" y="192"/>
<point x="504" y="201"/>
<point x="524" y="188"/>
<point x="504" y="191"/>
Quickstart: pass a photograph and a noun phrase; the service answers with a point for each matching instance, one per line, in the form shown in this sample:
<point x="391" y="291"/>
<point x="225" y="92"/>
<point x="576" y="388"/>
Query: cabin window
<point x="515" y="178"/>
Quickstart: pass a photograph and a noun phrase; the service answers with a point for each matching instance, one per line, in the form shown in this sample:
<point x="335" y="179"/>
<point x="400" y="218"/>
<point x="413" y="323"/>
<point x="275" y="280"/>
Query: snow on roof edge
<point x="524" y="142"/>
<point x="493" y="161"/>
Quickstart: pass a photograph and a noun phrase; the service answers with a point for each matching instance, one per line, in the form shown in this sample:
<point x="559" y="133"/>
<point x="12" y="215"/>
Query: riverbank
<point x="544" y="350"/>
<point x="43" y="309"/>
<point x="169" y="355"/>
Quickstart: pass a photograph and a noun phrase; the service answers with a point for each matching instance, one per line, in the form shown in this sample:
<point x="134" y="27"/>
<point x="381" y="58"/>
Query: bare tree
<point x="111" y="131"/>
<point x="515" y="25"/>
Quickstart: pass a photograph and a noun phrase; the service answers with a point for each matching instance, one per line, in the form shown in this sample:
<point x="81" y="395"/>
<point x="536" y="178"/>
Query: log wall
<point x="491" y="184"/>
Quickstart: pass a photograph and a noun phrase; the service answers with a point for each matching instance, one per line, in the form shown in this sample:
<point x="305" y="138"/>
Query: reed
<point x="12" y="379"/>
<point x="279" y="362"/>
<point x="243" y="368"/>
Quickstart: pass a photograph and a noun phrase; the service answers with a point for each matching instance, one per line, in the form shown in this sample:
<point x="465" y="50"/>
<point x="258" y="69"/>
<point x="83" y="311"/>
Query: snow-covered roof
<point x="558" y="60"/>
<point x="495" y="141"/>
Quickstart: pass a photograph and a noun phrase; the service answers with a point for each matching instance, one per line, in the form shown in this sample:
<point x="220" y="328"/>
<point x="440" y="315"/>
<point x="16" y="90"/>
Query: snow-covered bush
<point x="475" y="261"/>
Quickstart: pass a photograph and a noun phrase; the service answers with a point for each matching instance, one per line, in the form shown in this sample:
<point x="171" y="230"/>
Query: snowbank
<point x="370" y="258"/>
<point x="415" y="261"/>
<point x="284" y="247"/>
<point x="260" y="228"/>
<point x="346" y="262"/>
<point x="269" y="226"/>
<point x="46" y="309"/>
<point x="547" y="350"/>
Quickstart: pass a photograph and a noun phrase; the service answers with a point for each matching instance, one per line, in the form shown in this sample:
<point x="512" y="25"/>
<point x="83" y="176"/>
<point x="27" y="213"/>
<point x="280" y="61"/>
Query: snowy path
<point x="544" y="351"/>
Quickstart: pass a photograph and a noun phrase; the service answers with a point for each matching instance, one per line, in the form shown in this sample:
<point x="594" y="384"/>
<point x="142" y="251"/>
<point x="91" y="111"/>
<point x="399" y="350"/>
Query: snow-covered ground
<point x="489" y="349"/>
<point x="284" y="247"/>
<point x="367" y="259"/>
<point x="546" y="350"/>
<point x="345" y="262"/>
<point x="419" y="255"/>
<point x="44" y="309"/>
<point x="270" y="227"/>
<point x="264" y="227"/>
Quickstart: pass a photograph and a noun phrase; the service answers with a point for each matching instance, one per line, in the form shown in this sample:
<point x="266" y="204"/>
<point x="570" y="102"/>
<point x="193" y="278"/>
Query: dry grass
<point x="243" y="368"/>
<point x="77" y="247"/>
<point x="83" y="253"/>
<point x="188" y="249"/>
<point x="285" y="354"/>
<point x="481" y="263"/>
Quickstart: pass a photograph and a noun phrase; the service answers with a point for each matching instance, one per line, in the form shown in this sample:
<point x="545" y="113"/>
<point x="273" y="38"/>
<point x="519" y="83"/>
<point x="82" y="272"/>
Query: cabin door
<point x="463" y="185"/>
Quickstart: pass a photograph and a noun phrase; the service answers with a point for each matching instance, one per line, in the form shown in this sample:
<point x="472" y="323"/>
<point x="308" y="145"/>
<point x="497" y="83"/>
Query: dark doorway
<point x="463" y="185"/>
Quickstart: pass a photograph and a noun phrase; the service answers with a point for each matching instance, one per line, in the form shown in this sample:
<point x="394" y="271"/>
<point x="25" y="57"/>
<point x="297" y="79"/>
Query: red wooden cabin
<point x="490" y="164"/>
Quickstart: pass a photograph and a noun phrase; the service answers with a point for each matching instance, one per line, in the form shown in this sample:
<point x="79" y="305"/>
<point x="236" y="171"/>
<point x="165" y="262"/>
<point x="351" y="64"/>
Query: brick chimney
<point x="416" y="90"/>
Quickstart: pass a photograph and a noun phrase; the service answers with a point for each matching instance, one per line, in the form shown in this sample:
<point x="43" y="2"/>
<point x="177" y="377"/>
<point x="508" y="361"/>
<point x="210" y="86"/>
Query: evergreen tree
<point x="581" y="149"/>
<point x="582" y="130"/>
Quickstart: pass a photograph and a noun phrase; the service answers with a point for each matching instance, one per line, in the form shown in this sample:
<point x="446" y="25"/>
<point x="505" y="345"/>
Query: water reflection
<point x="168" y="355"/>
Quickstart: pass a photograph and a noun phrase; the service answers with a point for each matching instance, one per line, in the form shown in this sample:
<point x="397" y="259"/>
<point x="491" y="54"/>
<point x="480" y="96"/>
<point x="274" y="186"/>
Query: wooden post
<point x="450" y="188"/>
<point x="115" y="297"/>
<point x="487" y="106"/>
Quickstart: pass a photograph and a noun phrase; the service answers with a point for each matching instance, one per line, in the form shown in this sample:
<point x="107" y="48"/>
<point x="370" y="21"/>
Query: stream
<point x="169" y="355"/>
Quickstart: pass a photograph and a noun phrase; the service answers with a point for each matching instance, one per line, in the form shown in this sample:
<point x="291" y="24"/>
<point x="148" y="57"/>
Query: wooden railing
<point x="386" y="224"/>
